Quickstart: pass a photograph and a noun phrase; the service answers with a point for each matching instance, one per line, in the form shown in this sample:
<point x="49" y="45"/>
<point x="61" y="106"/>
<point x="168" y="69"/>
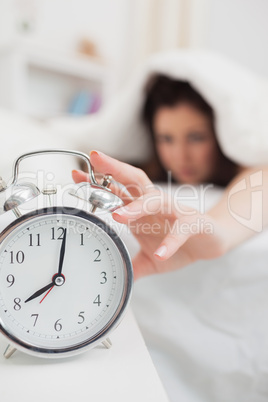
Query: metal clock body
<point x="65" y="279"/>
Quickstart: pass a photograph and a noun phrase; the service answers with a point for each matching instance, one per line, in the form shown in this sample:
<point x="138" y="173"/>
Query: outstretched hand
<point x="161" y="225"/>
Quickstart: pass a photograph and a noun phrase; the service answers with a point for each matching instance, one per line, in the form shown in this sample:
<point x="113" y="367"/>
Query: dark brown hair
<point x="162" y="91"/>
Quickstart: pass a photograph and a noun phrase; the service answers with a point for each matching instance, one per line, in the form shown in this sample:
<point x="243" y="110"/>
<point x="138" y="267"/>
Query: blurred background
<point x="60" y="57"/>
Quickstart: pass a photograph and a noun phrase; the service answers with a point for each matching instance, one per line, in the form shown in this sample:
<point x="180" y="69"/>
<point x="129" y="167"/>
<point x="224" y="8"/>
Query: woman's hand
<point x="170" y="235"/>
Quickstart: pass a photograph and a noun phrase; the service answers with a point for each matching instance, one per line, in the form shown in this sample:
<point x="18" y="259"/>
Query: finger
<point x="134" y="179"/>
<point x="142" y="266"/>
<point x="183" y="229"/>
<point x="152" y="203"/>
<point x="170" y="245"/>
<point x="80" y="176"/>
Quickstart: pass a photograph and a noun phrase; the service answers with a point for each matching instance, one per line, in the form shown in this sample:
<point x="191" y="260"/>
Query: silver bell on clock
<point x="65" y="274"/>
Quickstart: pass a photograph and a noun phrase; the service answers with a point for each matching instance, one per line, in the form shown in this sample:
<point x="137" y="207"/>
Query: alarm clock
<point x="65" y="274"/>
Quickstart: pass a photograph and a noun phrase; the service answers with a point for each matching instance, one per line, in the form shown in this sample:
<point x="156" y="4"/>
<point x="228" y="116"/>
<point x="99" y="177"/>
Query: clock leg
<point x="93" y="209"/>
<point x="9" y="351"/>
<point x="107" y="343"/>
<point x="17" y="212"/>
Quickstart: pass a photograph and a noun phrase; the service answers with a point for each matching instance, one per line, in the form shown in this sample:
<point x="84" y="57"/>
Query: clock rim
<point x="117" y="317"/>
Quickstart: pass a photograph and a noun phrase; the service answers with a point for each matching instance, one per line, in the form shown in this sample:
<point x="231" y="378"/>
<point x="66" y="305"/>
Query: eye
<point x="196" y="137"/>
<point x="164" y="139"/>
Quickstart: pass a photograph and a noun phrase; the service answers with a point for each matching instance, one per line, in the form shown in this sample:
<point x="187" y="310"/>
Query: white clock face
<point x="63" y="280"/>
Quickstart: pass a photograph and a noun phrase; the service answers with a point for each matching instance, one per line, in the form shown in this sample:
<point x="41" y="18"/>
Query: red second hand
<point x="46" y="294"/>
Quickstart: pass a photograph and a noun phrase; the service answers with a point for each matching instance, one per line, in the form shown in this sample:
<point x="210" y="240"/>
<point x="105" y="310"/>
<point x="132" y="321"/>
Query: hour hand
<point x="39" y="292"/>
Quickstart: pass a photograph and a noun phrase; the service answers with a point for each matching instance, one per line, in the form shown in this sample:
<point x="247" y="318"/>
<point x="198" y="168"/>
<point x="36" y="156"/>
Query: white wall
<point x="62" y="23"/>
<point x="236" y="28"/>
<point x="66" y="21"/>
<point x="126" y="31"/>
<point x="239" y="29"/>
<point x="7" y="21"/>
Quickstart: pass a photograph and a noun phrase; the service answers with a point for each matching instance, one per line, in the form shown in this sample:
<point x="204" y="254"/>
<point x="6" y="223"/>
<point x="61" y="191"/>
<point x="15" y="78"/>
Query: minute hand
<point x="62" y="252"/>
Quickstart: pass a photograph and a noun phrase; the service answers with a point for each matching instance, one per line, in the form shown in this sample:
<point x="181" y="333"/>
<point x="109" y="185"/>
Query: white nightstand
<point x="124" y="373"/>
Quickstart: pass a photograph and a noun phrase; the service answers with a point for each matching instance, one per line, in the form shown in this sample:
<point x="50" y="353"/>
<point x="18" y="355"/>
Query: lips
<point x="186" y="172"/>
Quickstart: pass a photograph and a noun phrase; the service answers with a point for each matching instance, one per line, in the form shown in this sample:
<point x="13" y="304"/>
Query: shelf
<point x="41" y="81"/>
<point x="72" y="64"/>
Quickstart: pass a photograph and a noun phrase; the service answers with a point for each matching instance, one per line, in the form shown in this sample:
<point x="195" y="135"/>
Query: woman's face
<point x="185" y="143"/>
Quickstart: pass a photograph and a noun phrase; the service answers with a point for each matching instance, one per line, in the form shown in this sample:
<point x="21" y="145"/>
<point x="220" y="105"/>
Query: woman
<point x="205" y="325"/>
<point x="182" y="126"/>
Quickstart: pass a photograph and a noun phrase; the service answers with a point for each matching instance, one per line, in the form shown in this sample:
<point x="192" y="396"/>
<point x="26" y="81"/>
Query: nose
<point x="180" y="153"/>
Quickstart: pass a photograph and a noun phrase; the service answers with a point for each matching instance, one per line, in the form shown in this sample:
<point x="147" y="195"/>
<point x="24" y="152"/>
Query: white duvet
<point x="206" y="325"/>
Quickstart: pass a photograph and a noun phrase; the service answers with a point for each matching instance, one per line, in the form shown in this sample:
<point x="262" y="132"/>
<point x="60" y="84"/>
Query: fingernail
<point x="122" y="211"/>
<point x="98" y="153"/>
<point x="116" y="216"/>
<point x="120" y="214"/>
<point x="161" y="251"/>
<point x="74" y="171"/>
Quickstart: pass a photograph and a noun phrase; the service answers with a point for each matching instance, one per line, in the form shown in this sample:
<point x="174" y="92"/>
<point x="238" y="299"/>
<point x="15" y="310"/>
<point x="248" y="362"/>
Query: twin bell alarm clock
<point x="65" y="274"/>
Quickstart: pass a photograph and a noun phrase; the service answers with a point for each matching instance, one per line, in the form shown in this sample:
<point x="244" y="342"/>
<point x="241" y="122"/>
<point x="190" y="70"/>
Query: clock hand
<point x="62" y="252"/>
<point x="49" y="286"/>
<point x="40" y="291"/>
<point x="58" y="275"/>
<point x="46" y="294"/>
